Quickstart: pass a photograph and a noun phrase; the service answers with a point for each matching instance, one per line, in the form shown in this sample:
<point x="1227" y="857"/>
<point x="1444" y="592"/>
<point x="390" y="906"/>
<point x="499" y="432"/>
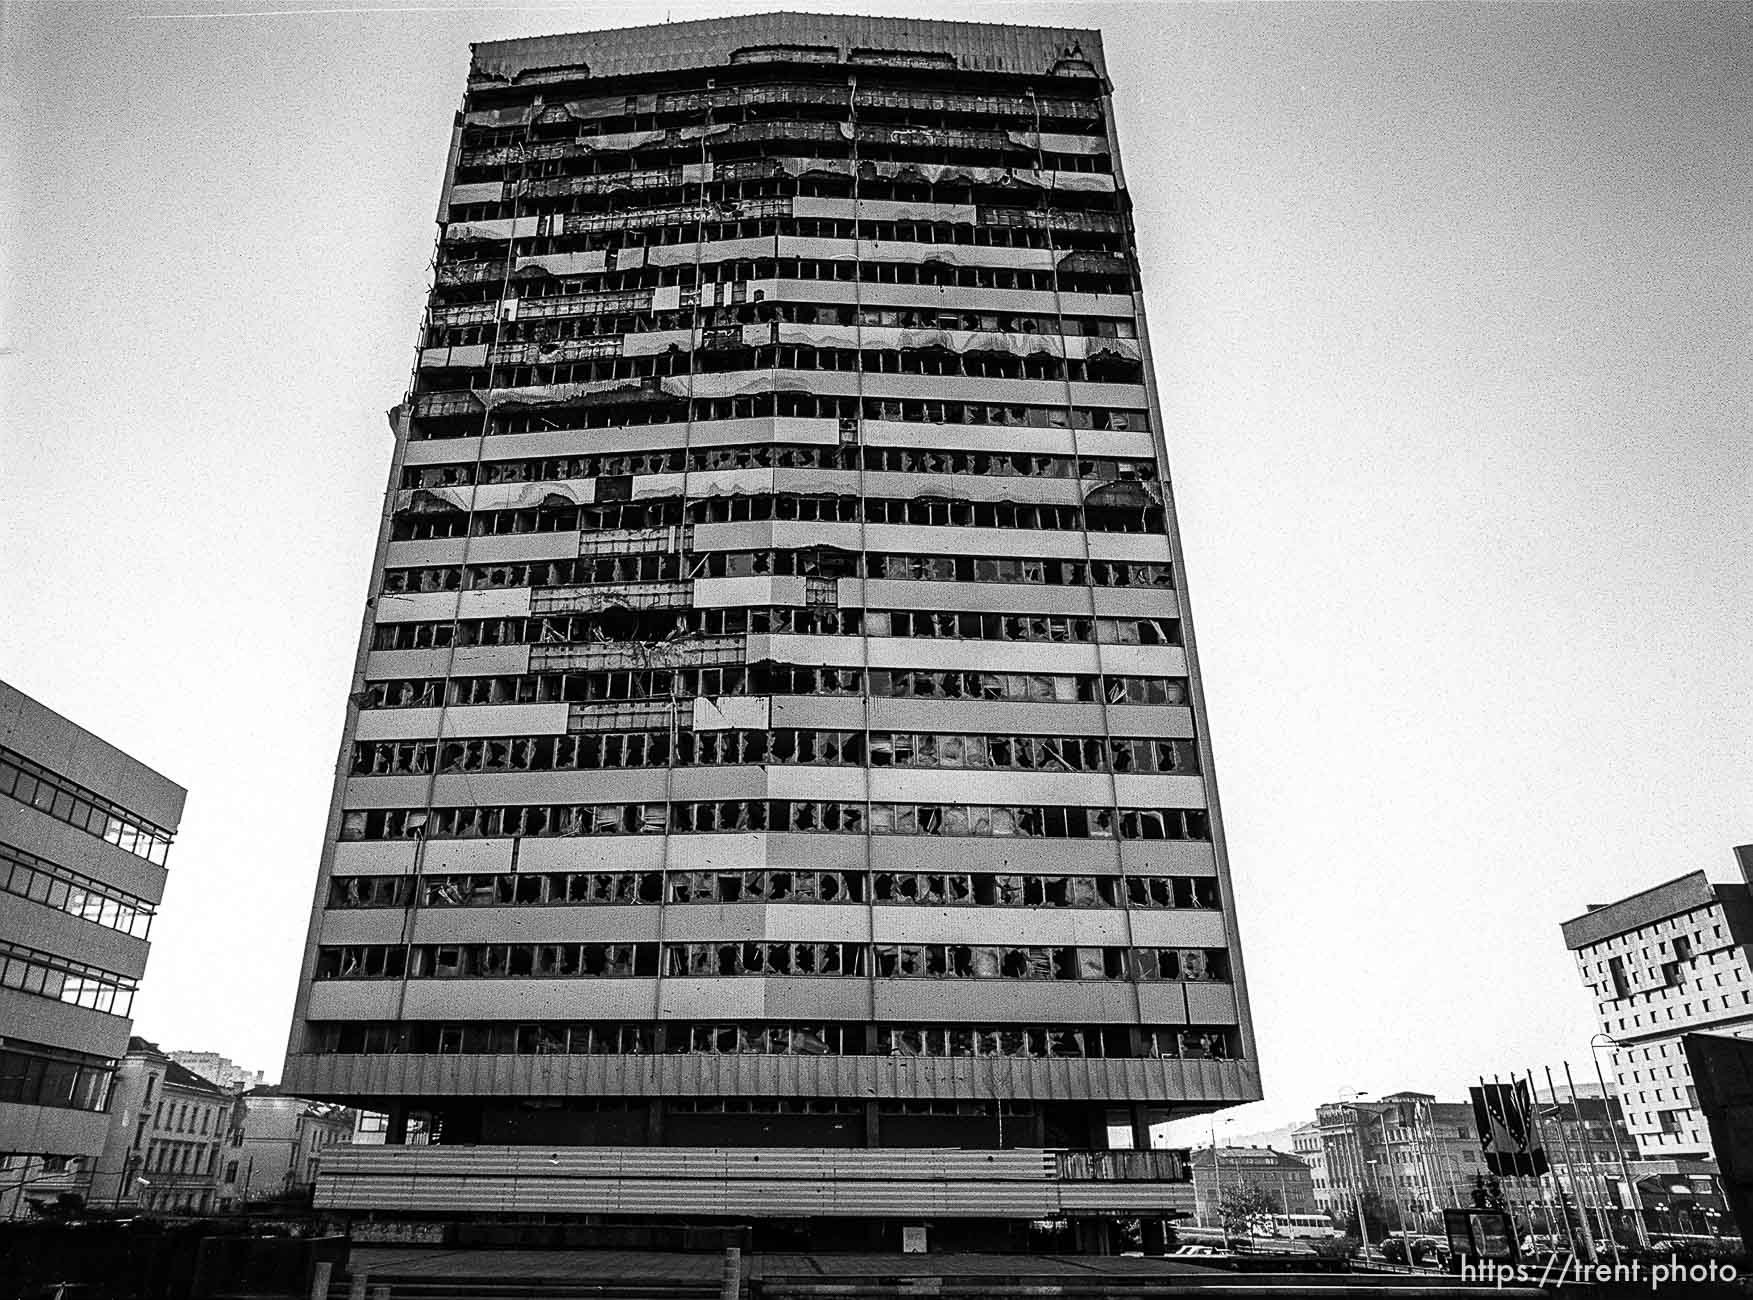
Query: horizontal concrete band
<point x="1163" y="1082"/>
<point x="1127" y="1286"/>
<point x="744" y="1183"/>
<point x="758" y="429"/>
<point x="754" y="921"/>
<point x="747" y="1199"/>
<point x="51" y="1130"/>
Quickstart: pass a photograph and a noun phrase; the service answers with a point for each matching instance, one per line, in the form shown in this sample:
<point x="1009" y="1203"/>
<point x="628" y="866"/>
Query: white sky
<point x="1451" y="310"/>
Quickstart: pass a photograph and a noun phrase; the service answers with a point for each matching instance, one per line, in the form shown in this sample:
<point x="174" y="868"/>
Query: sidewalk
<point x="853" y="1269"/>
<point x="608" y="1265"/>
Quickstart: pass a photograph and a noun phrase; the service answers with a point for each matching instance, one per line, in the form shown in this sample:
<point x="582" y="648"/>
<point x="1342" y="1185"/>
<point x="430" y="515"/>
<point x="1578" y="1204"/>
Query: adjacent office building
<point x="776" y="721"/>
<point x="84" y="834"/>
<point x="1660" y="964"/>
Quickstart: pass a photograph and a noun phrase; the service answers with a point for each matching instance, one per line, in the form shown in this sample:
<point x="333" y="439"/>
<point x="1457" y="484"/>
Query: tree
<point x="1381" y="1216"/>
<point x="1242" y="1203"/>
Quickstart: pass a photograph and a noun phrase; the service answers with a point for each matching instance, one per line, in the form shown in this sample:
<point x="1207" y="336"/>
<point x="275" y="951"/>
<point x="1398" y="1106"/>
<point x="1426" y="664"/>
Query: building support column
<point x="1156" y="1237"/>
<point x="1093" y="1236"/>
<point x="1140" y="1127"/>
<point x="1098" y="1122"/>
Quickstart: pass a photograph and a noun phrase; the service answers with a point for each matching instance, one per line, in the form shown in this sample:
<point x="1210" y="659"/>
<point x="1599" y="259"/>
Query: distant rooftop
<point x="828" y="38"/>
<point x="1261" y="1156"/>
<point x="174" y="1073"/>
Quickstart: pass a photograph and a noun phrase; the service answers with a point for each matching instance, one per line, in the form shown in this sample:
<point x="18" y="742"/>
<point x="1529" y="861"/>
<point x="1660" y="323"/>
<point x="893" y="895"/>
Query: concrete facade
<point x="84" y="835"/>
<point x="1660" y="964"/>
<point x="776" y="719"/>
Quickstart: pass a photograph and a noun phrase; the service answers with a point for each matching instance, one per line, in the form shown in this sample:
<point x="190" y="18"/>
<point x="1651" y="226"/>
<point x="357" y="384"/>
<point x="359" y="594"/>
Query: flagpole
<point x="1598" y="1188"/>
<point x="1570" y="1166"/>
<point x="1594" y="1215"/>
<point x="1432" y="1158"/>
<point x="1639" y="1228"/>
<point x="1534" y="1163"/>
<point x="1520" y="1181"/>
<point x="1505" y="1101"/>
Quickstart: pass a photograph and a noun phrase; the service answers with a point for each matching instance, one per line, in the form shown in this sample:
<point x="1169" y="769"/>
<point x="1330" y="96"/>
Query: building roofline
<point x="1681" y="894"/>
<point x="704" y="43"/>
<point x="1282" y="1159"/>
<point x="180" y="1076"/>
<point x="85" y="758"/>
<point x="682" y="28"/>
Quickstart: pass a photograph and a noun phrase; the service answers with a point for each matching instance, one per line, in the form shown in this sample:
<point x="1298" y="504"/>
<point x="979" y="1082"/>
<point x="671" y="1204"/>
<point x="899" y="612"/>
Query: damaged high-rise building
<point x="776" y="722"/>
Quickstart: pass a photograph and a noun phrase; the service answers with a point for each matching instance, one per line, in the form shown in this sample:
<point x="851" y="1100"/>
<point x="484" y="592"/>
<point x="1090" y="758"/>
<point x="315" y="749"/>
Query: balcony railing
<point x="430" y="406"/>
<point x="694" y="652"/>
<point x="1162" y="1166"/>
<point x="632" y="595"/>
<point x="470" y="272"/>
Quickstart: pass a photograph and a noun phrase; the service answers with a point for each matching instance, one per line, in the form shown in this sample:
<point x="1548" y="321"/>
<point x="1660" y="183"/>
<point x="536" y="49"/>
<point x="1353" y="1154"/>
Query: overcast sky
<point x="1451" y="310"/>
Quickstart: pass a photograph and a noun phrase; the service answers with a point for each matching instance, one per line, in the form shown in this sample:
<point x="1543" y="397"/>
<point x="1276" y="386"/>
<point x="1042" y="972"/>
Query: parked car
<point x="1426" y="1252"/>
<point x="1693" y="1247"/>
<point x="1431" y="1251"/>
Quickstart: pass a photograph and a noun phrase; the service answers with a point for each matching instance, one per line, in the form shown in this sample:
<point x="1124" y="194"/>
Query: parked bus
<point x="1292" y="1225"/>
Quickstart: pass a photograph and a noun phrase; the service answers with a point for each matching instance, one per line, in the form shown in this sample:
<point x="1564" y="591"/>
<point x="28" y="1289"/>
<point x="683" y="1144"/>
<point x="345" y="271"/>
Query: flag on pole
<point x="1504" y="1114"/>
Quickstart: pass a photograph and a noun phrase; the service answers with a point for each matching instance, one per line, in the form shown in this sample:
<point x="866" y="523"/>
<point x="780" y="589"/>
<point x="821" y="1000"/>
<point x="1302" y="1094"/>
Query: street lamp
<point x="1357" y="1188"/>
<point x="1423" y="1120"/>
<point x="1399" y="1209"/>
<point x="124" y="1180"/>
<point x="1217" y="1178"/>
<point x="1643" y="1230"/>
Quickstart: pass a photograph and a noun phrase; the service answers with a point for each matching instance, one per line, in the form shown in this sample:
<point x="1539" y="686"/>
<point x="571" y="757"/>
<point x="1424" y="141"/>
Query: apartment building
<point x="1285" y="1179"/>
<point x="84" y="835"/>
<point x="1660" y="964"/>
<point x="776" y="721"/>
<point x="160" y="1153"/>
<point x="1414" y="1153"/>
<point x="1306" y="1145"/>
<point x="276" y="1143"/>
